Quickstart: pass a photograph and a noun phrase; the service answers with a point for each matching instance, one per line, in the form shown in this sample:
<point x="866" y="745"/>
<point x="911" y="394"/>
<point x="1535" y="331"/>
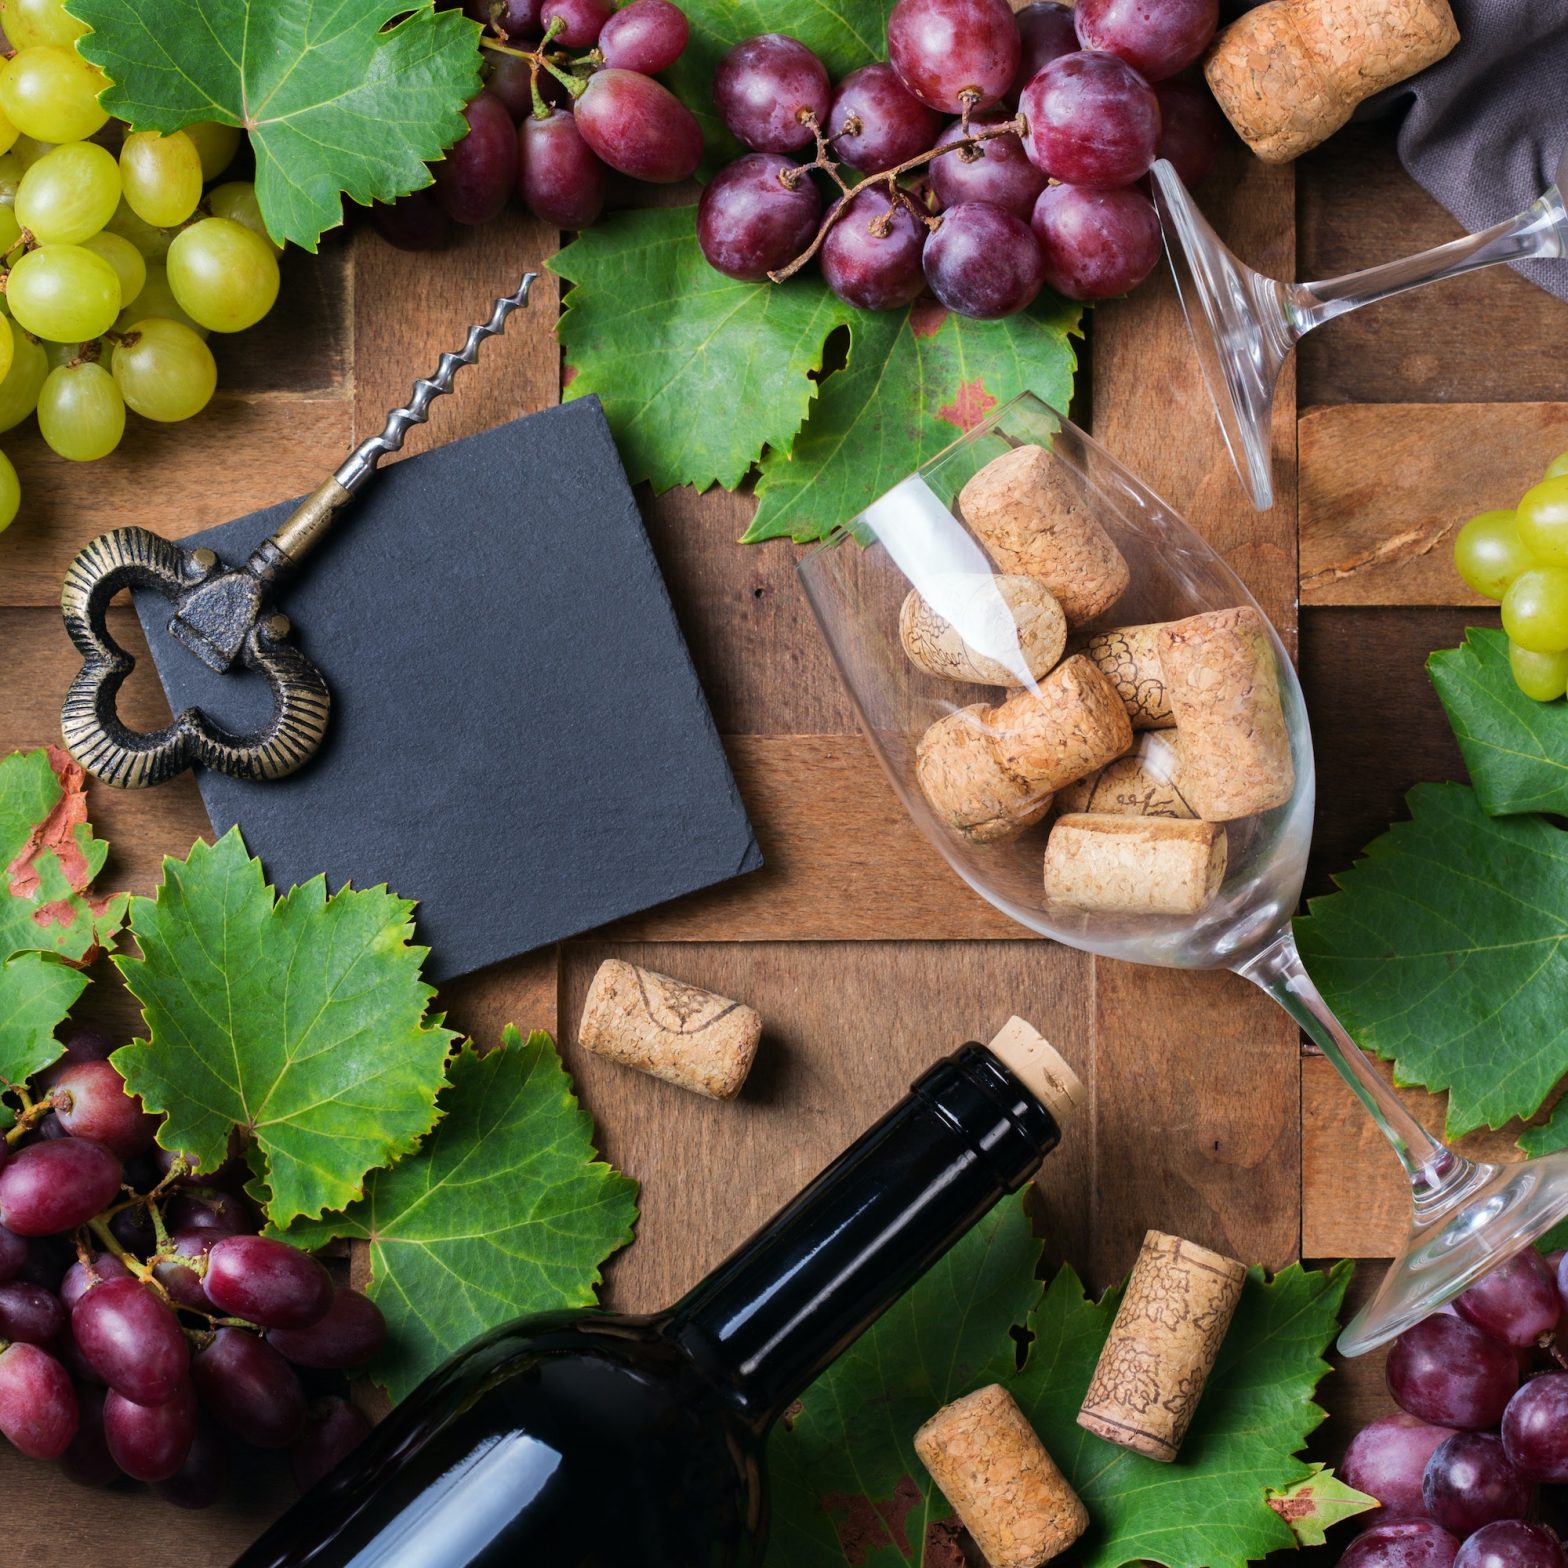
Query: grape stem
<point x="99" y="1226"/>
<point x="538" y="60"/>
<point x="29" y="1116"/>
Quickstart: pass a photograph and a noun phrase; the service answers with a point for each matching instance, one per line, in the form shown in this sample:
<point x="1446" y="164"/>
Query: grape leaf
<point x="300" y="1019"/>
<point x="849" y="1490"/>
<point x="1515" y="748"/>
<point x="1317" y="1504"/>
<point x="1443" y="952"/>
<point x="505" y="1210"/>
<point x="336" y="100"/>
<point x="50" y="929"/>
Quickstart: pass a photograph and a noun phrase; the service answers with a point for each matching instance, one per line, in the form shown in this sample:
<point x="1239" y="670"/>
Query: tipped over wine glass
<point x="1244" y="868"/>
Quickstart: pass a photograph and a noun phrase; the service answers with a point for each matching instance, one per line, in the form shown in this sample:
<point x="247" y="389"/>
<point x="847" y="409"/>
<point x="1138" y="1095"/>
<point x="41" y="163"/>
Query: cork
<point x="1037" y="1064"/>
<point x="1223" y="683"/>
<point x="1005" y="1488"/>
<point x="1023" y="510"/>
<point x="962" y="777"/>
<point x="1129" y="658"/>
<point x="1289" y="73"/>
<point x="1002" y="630"/>
<point x="677" y="1032"/>
<point x="1145" y="783"/>
<point x="1134" y="865"/>
<point x="1162" y="1346"/>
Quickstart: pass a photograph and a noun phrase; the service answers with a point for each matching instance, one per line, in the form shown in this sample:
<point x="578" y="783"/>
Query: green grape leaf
<point x="1515" y="748"/>
<point x="337" y="100"/>
<point x="300" y="1020"/>
<point x="506" y="1209"/>
<point x="850" y="1493"/>
<point x="51" y="928"/>
<point x="1317" y="1504"/>
<point x="1442" y="952"/>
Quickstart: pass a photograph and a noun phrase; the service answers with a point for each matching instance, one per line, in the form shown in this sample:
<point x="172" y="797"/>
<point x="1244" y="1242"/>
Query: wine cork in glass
<point x="1004" y="1486"/>
<point x="1144" y="783"/>
<point x="1129" y="658"/>
<point x="1161" y="1348"/>
<point x="1002" y="631"/>
<point x="1134" y="865"/>
<point x="966" y="784"/>
<point x="1023" y="508"/>
<point x="677" y="1032"/>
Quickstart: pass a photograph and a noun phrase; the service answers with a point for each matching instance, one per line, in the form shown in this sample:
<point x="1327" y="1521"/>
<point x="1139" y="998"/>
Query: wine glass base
<point x="1491" y="1213"/>
<point x="1236" y="322"/>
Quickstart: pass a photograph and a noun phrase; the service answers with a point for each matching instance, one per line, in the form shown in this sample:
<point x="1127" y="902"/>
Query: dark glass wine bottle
<point x="588" y="1439"/>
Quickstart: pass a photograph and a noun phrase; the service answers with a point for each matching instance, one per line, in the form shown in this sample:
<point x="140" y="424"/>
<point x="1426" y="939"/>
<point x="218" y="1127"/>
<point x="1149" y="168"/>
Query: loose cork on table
<point x="994" y="630"/>
<point x="677" y="1032"/>
<point x="1129" y="658"/>
<point x="1161" y="1348"/>
<point x="1004" y="1486"/>
<point x="1147" y="782"/>
<point x="1134" y="865"/>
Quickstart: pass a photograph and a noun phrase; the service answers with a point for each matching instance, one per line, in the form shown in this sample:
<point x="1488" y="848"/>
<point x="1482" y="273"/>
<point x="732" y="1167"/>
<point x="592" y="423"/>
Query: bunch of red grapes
<point x="570" y="96"/>
<point x="145" y="1328"/>
<point x="1484" y="1399"/>
<point x="1059" y="197"/>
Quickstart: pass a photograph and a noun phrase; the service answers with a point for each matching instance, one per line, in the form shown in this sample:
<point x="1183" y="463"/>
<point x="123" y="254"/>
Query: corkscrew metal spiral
<point x="222" y="615"/>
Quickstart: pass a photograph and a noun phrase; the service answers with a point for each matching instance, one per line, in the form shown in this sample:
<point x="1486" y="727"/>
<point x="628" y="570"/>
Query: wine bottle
<point x="587" y="1439"/>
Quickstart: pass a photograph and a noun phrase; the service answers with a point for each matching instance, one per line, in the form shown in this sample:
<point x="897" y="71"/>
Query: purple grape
<point x="249" y="1387"/>
<point x="1157" y="38"/>
<point x="184" y="1284"/>
<point x="85" y="1043"/>
<point x="478" y="172"/>
<point x="332" y="1432"/>
<point x="639" y="127"/>
<point x="997" y="171"/>
<point x="51" y="1187"/>
<point x="871" y="257"/>
<point x="132" y="1229"/>
<point x="750" y="222"/>
<point x="38" y="1410"/>
<point x="581" y="21"/>
<point x="983" y="262"/>
<point x="1096" y="244"/>
<point x="1387" y="1460"/>
<point x="150" y="1442"/>
<point x="513" y="18"/>
<point x="1469" y="1482"/>
<point x="210" y="1208"/>
<point x="1446" y="1372"/>
<point x="1401" y="1543"/>
<point x="1535" y="1428"/>
<point x="87" y="1460"/>
<point x="13" y="1254"/>
<point x="1516" y="1302"/>
<point x="1191" y="130"/>
<point x="510" y="78"/>
<point x="30" y="1313"/>
<point x="131" y="1339"/>
<point x="647" y="36"/>
<point x="267" y="1282"/>
<point x="203" y="1476"/>
<point x="352" y="1331"/>
<point x="876" y="123"/>
<point x="91" y="1100"/>
<point x="770" y="91"/>
<point x="47" y="1130"/>
<point x="557" y="172"/>
<point x="1511" y="1543"/>
<point x="78" y="1280"/>
<point x="49" y="1259"/>
<point x="1560" y="1273"/>
<point x="1045" y="32"/>
<point x="954" y="54"/>
<point x="413" y="222"/>
<point x="1092" y="121"/>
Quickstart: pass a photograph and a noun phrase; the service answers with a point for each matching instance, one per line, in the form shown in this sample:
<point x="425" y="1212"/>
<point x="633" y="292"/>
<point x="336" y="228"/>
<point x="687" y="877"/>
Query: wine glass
<point x="1244" y="324"/>
<point x="1467" y="1217"/>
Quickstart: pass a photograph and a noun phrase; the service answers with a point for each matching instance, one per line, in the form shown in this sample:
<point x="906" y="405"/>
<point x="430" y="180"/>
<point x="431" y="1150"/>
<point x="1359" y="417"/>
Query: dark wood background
<point x="865" y="955"/>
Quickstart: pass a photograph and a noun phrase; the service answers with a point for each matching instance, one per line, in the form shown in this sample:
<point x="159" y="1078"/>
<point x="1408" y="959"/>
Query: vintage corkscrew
<point x="223" y="615"/>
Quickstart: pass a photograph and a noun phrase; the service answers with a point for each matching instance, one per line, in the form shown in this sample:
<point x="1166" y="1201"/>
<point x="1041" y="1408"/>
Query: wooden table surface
<point x="864" y="953"/>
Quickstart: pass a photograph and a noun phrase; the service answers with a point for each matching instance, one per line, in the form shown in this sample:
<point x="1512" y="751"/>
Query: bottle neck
<point x="771" y="1317"/>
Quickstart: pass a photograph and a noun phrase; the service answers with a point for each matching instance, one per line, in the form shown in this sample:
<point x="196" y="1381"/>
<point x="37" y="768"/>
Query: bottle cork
<point x="1144" y="783"/>
<point x="1129" y="658"/>
<point x="1005" y="1488"/>
<point x="1162" y="1346"/>
<point x="962" y="777"/>
<point x="1039" y="1066"/>
<point x="1223" y="683"/>
<point x="677" y="1032"/>
<point x="1289" y="73"/>
<point x="1134" y="865"/>
<point x="997" y="631"/>
<point x="1023" y="510"/>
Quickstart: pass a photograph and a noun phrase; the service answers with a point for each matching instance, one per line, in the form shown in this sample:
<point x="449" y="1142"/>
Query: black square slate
<point x="518" y="738"/>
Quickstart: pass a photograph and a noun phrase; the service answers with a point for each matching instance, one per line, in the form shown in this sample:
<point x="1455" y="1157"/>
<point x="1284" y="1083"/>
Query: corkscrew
<point x="223" y="615"/>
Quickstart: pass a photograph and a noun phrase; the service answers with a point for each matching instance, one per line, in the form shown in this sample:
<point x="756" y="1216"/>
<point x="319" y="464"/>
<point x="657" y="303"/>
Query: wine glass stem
<point x="1433" y="1169"/>
<point x="1539" y="232"/>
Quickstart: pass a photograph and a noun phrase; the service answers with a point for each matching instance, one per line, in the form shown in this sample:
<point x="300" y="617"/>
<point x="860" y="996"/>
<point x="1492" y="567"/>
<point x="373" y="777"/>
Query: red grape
<point x="983" y="262"/>
<point x="997" y="171"/>
<point x="515" y="18"/>
<point x="1191" y="129"/>
<point x="1157" y="38"/>
<point x="953" y="54"/>
<point x="876" y="123"/>
<point x="85" y="1043"/>
<point x="13" y="1254"/>
<point x="1401" y="1543"/>
<point x="248" y="1386"/>
<point x="871" y="257"/>
<point x="131" y="1340"/>
<point x="1511" y="1543"/>
<point x="638" y="126"/>
<point x="91" y="1101"/>
<point x="560" y="178"/>
<point x="184" y="1284"/>
<point x="1387" y="1459"/>
<point x="1535" y="1428"/>
<point x="87" y="1460"/>
<point x="1096" y="244"/>
<point x="52" y="1187"/>
<point x="750" y="222"/>
<point x="770" y="91"/>
<point x="478" y="172"/>
<point x="150" y="1442"/>
<point x="30" y="1313"/>
<point x="1451" y="1374"/>
<point x="1469" y="1482"/>
<point x="332" y="1432"/>
<point x="1515" y="1302"/>
<point x="1092" y="121"/>
<point x="1045" y="32"/>
<point x="352" y="1331"/>
<point x="267" y="1282"/>
<point x="202" y="1477"/>
<point x="412" y="222"/>
<point x="78" y="1281"/>
<point x="38" y="1410"/>
<point x="510" y="78"/>
<point x="581" y="21"/>
<point x="647" y="36"/>
<point x="210" y="1209"/>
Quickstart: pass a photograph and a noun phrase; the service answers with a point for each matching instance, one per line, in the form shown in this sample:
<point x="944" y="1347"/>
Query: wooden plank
<point x="1385" y="487"/>
<point x="1353" y="1394"/>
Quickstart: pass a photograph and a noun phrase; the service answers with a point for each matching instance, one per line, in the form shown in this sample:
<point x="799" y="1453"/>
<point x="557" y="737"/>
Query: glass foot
<point x="1484" y="1215"/>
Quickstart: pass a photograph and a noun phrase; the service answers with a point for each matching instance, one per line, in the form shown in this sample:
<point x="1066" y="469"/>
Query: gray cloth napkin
<point x="1484" y="128"/>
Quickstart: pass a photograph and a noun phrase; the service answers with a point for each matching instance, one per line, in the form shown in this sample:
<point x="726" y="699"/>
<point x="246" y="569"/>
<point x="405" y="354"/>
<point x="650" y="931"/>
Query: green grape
<point x="23" y="381"/>
<point x="81" y="412"/>
<point x="10" y="493"/>
<point x="126" y="261"/>
<point x="165" y="372"/>
<point x="98" y="349"/>
<point x="69" y="194"/>
<point x="237" y="200"/>
<point x="1543" y="521"/>
<point x="7" y="346"/>
<point x="8" y="133"/>
<point x="222" y="274"/>
<point x="1535" y="609"/>
<point x="52" y="94"/>
<point x="152" y="243"/>
<point x="1490" y="554"/>
<point x="1543" y="676"/>
<point x="10" y="230"/>
<point x="11" y="171"/>
<point x="28" y="151"/>
<point x="1557" y="467"/>
<point x="162" y="176"/>
<point x="157" y="299"/>
<point x="30" y="22"/>
<point x="215" y="145"/>
<point x="64" y="293"/>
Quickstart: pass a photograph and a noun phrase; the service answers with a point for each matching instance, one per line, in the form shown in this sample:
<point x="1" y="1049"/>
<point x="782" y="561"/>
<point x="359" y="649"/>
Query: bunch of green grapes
<point x="1521" y="558"/>
<point x="118" y="256"/>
